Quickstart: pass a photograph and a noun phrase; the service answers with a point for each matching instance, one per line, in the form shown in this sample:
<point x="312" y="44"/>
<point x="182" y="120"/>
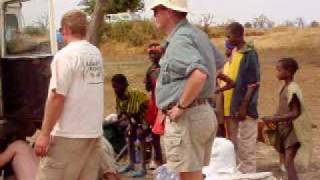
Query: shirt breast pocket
<point x="166" y="78"/>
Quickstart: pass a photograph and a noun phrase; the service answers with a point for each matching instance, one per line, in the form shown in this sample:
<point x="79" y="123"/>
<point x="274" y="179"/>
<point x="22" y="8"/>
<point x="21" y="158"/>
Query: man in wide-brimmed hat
<point x="186" y="82"/>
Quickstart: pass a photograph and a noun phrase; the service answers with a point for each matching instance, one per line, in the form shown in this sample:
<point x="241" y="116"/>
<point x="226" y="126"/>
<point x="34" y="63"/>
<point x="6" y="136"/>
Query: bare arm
<point x="229" y="83"/>
<point x="295" y="111"/>
<point x="53" y="109"/>
<point x="248" y="95"/>
<point x="245" y="103"/>
<point x="193" y="87"/>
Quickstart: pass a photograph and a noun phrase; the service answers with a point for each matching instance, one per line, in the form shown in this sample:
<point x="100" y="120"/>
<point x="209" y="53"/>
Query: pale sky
<point x="239" y="10"/>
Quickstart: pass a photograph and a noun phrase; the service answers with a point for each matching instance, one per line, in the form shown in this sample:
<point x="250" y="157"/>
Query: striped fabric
<point x="135" y="104"/>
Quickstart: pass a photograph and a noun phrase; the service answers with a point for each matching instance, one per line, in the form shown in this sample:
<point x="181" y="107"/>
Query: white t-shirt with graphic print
<point x="77" y="73"/>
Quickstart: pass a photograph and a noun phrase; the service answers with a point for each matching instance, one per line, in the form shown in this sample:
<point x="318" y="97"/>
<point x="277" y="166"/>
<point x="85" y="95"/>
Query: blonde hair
<point x="76" y="21"/>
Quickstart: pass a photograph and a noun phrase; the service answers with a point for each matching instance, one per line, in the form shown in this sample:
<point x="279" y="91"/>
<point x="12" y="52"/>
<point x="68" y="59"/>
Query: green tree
<point x="114" y="6"/>
<point x="98" y="8"/>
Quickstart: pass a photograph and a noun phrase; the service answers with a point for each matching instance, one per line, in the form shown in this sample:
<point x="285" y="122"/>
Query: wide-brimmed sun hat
<point x="176" y="5"/>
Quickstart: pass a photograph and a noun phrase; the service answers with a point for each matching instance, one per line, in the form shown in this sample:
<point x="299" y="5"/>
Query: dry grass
<point x="122" y="51"/>
<point x="293" y="40"/>
<point x="274" y="44"/>
<point x="302" y="44"/>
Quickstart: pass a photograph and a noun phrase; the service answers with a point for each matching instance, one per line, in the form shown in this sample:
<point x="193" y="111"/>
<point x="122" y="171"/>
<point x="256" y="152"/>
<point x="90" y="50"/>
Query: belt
<point x="195" y="103"/>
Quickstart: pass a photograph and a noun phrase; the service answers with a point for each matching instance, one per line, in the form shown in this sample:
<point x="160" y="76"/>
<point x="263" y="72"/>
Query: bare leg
<point x="196" y="175"/>
<point x="282" y="160"/>
<point x="290" y="154"/>
<point x="107" y="166"/>
<point x="7" y="155"/>
<point x="25" y="162"/>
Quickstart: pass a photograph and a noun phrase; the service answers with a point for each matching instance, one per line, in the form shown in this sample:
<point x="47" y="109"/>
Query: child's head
<point x="155" y="52"/>
<point x="286" y="68"/>
<point x="119" y="84"/>
<point x="235" y="33"/>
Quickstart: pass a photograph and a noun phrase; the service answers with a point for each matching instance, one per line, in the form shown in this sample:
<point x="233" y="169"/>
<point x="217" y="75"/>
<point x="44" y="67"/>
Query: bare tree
<point x="101" y="7"/>
<point x="270" y="24"/>
<point x="300" y="22"/>
<point x="206" y="20"/>
<point x="289" y="23"/>
<point x="42" y="21"/>
<point x="262" y="21"/>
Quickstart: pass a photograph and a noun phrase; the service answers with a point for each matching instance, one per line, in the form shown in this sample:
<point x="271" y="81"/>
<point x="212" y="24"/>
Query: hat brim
<point x="154" y="5"/>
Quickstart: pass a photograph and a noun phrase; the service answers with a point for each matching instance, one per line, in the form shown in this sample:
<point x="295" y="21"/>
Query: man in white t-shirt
<point x="69" y="141"/>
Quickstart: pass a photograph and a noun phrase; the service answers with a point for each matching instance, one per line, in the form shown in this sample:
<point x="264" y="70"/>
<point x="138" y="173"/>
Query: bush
<point x="135" y="33"/>
<point x="248" y="25"/>
<point x="35" y="31"/>
<point x="314" y="24"/>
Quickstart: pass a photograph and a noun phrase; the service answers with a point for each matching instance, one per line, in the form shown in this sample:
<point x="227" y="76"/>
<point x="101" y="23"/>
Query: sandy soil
<point x="308" y="77"/>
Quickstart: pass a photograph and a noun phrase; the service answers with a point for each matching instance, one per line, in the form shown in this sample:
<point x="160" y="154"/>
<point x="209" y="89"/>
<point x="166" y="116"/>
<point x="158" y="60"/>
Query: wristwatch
<point x="181" y="107"/>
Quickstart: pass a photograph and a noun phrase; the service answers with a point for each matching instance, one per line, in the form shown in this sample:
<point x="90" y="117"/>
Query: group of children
<point x="288" y="130"/>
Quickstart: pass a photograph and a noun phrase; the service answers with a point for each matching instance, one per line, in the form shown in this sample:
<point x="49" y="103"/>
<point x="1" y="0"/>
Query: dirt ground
<point x="307" y="77"/>
<point x="267" y="157"/>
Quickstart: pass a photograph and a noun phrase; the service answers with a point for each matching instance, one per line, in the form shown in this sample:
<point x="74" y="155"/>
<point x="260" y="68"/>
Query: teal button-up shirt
<point x="187" y="49"/>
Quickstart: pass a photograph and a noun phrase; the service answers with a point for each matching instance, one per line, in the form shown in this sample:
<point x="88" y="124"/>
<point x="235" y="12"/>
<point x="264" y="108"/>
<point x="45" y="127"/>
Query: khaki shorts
<point x="188" y="142"/>
<point x="71" y="159"/>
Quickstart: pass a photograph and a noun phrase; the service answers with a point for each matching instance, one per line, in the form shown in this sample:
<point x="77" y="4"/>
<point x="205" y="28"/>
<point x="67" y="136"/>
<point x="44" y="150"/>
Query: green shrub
<point x="35" y="31"/>
<point x="135" y="33"/>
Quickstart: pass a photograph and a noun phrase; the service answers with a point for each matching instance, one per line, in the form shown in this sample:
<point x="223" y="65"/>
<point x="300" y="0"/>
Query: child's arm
<point x="295" y="111"/>
<point x="229" y="83"/>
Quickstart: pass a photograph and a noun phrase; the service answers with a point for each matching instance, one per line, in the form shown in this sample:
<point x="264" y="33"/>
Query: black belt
<point x="196" y="102"/>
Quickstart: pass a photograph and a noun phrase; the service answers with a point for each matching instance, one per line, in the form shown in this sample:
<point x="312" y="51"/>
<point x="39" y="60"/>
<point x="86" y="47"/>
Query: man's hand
<point x="42" y="145"/>
<point x="243" y="110"/>
<point x="175" y="113"/>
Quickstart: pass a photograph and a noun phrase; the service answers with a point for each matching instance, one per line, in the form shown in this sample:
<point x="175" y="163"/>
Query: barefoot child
<point x="293" y="126"/>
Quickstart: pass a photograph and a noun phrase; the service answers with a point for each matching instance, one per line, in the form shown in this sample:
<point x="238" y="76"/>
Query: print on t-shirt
<point x="93" y="71"/>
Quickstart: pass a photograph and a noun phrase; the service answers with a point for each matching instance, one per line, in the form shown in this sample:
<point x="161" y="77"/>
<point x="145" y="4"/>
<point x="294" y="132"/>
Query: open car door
<point x="28" y="44"/>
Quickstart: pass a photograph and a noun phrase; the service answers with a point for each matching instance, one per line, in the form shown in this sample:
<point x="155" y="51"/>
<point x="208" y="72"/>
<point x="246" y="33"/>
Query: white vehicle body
<point x="127" y="16"/>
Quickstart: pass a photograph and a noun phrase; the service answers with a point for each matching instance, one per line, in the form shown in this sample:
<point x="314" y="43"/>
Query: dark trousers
<point x="157" y="148"/>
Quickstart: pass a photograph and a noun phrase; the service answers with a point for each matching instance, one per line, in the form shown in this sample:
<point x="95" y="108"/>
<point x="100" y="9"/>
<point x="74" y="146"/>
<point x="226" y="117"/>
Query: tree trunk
<point x="96" y="22"/>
